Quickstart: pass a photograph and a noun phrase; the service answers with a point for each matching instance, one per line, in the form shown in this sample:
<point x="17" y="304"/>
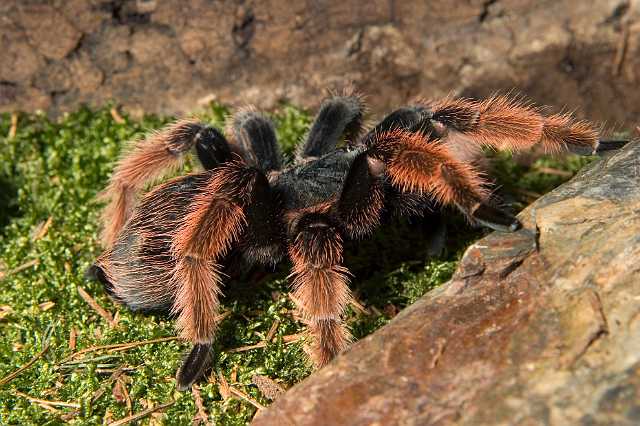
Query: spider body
<point x="167" y="252"/>
<point x="315" y="181"/>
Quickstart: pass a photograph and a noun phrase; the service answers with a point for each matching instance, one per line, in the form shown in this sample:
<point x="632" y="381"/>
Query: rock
<point x="164" y="57"/>
<point x="47" y="29"/>
<point x="541" y="326"/>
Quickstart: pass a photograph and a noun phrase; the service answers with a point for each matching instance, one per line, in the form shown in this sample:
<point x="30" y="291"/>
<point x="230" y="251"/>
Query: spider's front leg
<point x="320" y="282"/>
<point x="215" y="219"/>
<point x="415" y="164"/>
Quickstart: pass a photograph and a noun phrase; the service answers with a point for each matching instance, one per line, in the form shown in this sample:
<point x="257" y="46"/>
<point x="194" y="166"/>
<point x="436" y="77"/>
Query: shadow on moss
<point x="9" y="208"/>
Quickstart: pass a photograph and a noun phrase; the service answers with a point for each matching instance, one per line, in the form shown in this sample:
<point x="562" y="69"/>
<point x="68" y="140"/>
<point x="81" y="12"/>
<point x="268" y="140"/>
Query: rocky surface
<point x="541" y="326"/>
<point x="169" y="56"/>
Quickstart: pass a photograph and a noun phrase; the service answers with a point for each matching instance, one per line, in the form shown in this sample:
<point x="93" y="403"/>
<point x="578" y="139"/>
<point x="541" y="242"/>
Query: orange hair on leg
<point x="215" y="219"/>
<point x="499" y="122"/>
<point x="561" y="132"/>
<point x="505" y="123"/>
<point x="320" y="288"/>
<point x="149" y="159"/>
<point x="415" y="165"/>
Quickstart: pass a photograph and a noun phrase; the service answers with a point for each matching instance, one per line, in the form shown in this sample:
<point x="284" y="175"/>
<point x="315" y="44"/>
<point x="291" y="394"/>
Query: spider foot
<point x="494" y="218"/>
<point x="193" y="366"/>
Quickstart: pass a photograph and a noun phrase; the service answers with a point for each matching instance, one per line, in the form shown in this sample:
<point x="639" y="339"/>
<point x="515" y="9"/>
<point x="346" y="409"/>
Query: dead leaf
<point x="5" y="311"/>
<point x="45" y="306"/>
<point x="223" y="387"/>
<point x="119" y="392"/>
<point x="267" y="386"/>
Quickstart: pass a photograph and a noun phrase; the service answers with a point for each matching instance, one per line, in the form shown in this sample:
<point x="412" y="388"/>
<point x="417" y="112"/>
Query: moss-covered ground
<point x="50" y="173"/>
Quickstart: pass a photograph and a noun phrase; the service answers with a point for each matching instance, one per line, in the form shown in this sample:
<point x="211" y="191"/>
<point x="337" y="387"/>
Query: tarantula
<point x="166" y="252"/>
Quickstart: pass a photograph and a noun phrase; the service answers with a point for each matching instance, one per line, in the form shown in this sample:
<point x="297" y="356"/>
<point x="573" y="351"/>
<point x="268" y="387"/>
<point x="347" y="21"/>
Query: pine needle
<point x="19" y="371"/>
<point x="47" y="402"/>
<point x="96" y="307"/>
<point x="142" y="414"/>
<point x="118" y="347"/>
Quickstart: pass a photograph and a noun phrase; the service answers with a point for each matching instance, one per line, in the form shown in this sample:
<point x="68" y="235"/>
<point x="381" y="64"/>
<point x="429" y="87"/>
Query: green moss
<point x="54" y="169"/>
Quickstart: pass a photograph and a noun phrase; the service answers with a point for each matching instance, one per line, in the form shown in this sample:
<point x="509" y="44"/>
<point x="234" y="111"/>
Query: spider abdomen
<point x="139" y="266"/>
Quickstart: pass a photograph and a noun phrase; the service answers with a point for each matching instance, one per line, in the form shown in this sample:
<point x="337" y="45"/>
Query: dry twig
<point x="291" y="338"/>
<point x="45" y="306"/>
<point x="73" y="337"/>
<point x="116" y="347"/>
<point x="121" y="394"/>
<point x="103" y="388"/>
<point x="20" y="268"/>
<point x="142" y="414"/>
<point x="359" y="306"/>
<point x="201" y="416"/>
<point x="47" y="402"/>
<point x="116" y="116"/>
<point x="19" y="371"/>
<point x="552" y="171"/>
<point x="5" y="310"/>
<point x="223" y="387"/>
<point x="247" y="398"/>
<point x="43" y="229"/>
<point x="96" y="307"/>
<point x="13" y="130"/>
<point x="272" y="330"/>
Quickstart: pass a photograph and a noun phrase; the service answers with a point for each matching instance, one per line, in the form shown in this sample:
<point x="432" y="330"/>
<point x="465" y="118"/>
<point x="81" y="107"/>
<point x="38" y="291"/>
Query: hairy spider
<point x="166" y="252"/>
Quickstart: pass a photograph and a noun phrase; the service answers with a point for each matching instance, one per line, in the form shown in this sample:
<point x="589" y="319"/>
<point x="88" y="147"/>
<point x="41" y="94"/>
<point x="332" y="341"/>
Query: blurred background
<point x="170" y="56"/>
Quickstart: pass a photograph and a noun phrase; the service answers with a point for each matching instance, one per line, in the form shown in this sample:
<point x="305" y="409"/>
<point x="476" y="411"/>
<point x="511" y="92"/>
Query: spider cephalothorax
<point x="166" y="252"/>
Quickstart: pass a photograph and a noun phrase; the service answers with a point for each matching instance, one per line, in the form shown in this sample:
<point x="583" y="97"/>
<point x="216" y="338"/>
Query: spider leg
<point x="501" y="122"/>
<point x="213" y="221"/>
<point x="412" y="119"/>
<point x="362" y="197"/>
<point x="320" y="283"/>
<point x="338" y="116"/>
<point x="150" y="159"/>
<point x="255" y="140"/>
<point x="265" y="239"/>
<point x="414" y="165"/>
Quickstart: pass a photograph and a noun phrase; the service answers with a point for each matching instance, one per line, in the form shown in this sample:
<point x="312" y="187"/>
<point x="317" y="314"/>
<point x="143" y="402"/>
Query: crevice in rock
<point x="78" y="47"/>
<point x="8" y="92"/>
<point x="243" y="31"/>
<point x="618" y="13"/>
<point x="485" y="10"/>
<point x="507" y="270"/>
<point x="356" y="46"/>
<point x="122" y="14"/>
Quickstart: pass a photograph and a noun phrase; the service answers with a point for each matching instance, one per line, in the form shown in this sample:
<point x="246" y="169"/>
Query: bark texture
<point x="168" y="56"/>
<point x="538" y="327"/>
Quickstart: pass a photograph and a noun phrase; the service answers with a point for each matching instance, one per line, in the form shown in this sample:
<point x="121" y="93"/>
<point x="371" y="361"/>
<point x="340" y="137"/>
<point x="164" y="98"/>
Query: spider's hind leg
<point x="338" y="116"/>
<point x="96" y="273"/>
<point x="194" y="365"/>
<point x="150" y="159"/>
